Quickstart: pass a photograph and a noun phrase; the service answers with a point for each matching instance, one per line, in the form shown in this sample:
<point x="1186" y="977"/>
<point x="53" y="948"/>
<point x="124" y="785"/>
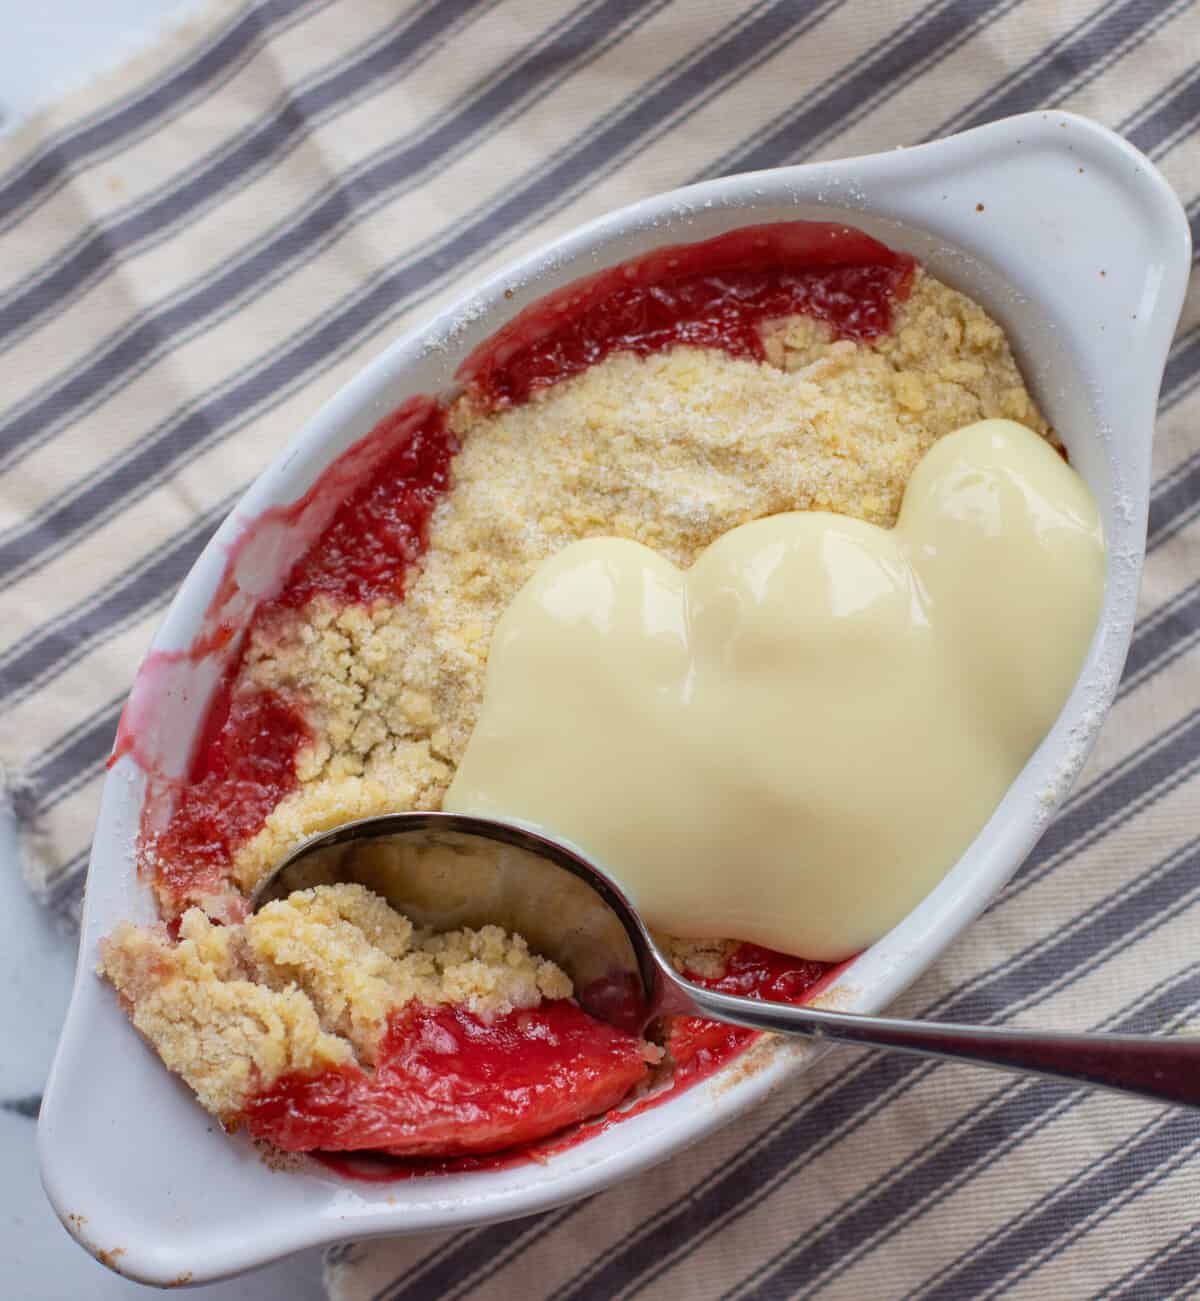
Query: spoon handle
<point x="1167" y="1069"/>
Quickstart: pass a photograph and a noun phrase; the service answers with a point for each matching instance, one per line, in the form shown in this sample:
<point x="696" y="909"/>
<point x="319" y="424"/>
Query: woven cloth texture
<point x="197" y="251"/>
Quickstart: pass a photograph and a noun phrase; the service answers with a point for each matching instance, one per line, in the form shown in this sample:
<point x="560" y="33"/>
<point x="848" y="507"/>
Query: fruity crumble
<point x="783" y="368"/>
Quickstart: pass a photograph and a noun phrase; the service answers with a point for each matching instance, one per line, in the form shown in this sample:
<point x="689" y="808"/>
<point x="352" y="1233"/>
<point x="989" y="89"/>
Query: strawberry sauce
<point x="380" y="531"/>
<point x="710" y="295"/>
<point x="448" y="1084"/>
<point x="244" y="765"/>
<point x="699" y="1047"/>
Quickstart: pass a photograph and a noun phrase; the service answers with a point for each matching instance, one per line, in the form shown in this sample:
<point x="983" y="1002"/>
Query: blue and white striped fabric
<point x="194" y="254"/>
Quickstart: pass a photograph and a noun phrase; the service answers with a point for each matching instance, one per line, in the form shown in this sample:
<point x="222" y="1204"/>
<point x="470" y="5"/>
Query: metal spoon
<point x="446" y="870"/>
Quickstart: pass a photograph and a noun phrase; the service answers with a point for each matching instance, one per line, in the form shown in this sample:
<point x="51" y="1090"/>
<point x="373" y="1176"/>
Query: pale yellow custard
<point x="792" y="741"/>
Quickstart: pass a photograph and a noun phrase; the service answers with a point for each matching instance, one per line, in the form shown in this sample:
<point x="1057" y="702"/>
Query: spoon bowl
<point x="447" y="870"/>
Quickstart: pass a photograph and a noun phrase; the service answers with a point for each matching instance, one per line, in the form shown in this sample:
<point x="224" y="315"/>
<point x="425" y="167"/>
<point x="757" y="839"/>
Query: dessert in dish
<point x="666" y="403"/>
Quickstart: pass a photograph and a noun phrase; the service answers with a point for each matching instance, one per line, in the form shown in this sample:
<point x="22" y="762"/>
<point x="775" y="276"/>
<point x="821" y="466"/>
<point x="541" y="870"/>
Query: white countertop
<point x="48" y="49"/>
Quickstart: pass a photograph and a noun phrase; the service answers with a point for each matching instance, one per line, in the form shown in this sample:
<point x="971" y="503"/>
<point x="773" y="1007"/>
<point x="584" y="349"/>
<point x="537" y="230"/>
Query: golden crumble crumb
<point x="909" y="390"/>
<point x="706" y="958"/>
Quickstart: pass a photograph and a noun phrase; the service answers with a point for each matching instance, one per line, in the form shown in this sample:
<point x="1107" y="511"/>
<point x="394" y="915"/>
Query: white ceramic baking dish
<point x="1023" y="215"/>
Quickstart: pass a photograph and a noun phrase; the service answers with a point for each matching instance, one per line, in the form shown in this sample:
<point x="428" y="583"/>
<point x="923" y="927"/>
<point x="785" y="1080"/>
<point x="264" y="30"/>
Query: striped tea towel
<point x="199" y="251"/>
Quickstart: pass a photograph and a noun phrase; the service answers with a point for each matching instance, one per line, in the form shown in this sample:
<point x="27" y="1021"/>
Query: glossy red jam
<point x="244" y="765"/>
<point x="380" y="530"/>
<point x="714" y="294"/>
<point x="697" y="1049"/>
<point x="448" y="1084"/>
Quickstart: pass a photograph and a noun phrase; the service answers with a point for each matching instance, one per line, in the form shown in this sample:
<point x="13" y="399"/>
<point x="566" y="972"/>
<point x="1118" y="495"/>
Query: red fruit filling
<point x="245" y="759"/>
<point x="711" y="295"/>
<point x="450" y="1084"/>
<point x="699" y="1047"/>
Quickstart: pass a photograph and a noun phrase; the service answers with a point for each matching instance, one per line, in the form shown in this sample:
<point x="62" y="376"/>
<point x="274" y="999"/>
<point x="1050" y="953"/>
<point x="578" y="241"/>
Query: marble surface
<point x="37" y="960"/>
<point x="46" y="50"/>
